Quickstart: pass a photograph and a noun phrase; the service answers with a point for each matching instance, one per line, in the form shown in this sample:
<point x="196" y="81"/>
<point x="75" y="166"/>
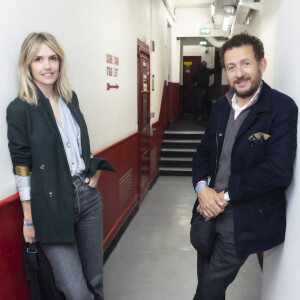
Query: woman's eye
<point x="54" y="58"/>
<point x="37" y="59"/>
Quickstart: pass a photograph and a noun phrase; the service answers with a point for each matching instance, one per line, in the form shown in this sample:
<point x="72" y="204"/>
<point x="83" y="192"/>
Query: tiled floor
<point x="154" y="259"/>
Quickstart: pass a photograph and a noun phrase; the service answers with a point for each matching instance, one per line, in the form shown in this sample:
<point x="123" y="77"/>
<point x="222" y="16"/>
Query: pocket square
<point x="259" y="136"/>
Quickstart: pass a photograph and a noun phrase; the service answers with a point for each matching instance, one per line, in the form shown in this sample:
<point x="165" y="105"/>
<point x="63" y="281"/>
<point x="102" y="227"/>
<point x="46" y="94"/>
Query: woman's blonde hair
<point x="28" y="52"/>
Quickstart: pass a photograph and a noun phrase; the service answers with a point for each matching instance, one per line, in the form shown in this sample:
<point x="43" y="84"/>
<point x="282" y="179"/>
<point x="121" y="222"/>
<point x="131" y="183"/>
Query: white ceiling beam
<point x="252" y="5"/>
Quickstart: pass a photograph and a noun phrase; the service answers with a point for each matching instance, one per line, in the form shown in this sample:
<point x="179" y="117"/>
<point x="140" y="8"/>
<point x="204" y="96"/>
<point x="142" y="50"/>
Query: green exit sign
<point x="204" y="30"/>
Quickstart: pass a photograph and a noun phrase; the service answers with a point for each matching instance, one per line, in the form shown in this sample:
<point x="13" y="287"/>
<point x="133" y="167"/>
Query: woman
<point x="55" y="173"/>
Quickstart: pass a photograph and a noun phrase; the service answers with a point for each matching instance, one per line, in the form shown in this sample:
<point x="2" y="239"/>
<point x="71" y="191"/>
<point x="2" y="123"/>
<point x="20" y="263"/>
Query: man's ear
<point x="263" y="65"/>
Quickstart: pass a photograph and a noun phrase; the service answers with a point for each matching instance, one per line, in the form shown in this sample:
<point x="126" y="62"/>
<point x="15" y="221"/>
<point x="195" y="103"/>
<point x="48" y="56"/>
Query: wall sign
<point x="112" y="71"/>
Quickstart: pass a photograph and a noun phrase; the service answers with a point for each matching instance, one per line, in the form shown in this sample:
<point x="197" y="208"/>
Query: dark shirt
<point x="201" y="77"/>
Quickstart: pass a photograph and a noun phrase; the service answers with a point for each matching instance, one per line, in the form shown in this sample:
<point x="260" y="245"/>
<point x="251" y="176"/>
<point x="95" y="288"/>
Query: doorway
<point x="143" y="72"/>
<point x="190" y="64"/>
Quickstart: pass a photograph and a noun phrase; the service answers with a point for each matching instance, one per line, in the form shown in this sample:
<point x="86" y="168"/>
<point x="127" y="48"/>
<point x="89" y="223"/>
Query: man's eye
<point x="230" y="68"/>
<point x="247" y="64"/>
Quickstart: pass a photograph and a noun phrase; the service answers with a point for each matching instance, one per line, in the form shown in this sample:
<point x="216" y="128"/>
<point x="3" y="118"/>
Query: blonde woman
<point x="54" y="171"/>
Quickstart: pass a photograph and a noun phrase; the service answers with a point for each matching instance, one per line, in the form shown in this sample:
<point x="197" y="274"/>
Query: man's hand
<point x="210" y="203"/>
<point x="93" y="181"/>
<point x="225" y="203"/>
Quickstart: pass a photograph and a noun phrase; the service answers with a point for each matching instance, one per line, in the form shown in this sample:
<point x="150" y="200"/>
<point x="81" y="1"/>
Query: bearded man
<point x="241" y="170"/>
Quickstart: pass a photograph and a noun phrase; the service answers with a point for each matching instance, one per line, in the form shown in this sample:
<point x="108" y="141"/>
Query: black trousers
<point x="217" y="270"/>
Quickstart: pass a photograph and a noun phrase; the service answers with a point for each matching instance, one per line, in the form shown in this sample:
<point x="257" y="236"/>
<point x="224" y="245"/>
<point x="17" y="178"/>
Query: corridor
<point x="154" y="259"/>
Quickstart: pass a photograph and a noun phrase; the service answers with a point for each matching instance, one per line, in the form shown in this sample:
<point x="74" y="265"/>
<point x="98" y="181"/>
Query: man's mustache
<point x="239" y="80"/>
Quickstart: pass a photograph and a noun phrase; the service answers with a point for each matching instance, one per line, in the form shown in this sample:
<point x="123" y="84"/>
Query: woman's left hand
<point x="93" y="181"/>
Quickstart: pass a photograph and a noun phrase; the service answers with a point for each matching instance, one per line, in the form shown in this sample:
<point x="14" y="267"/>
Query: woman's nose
<point x="47" y="64"/>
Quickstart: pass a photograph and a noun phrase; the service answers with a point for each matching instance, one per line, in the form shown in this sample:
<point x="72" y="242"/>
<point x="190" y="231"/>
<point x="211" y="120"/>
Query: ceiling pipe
<point x="252" y="5"/>
<point x="169" y="9"/>
<point x="213" y="41"/>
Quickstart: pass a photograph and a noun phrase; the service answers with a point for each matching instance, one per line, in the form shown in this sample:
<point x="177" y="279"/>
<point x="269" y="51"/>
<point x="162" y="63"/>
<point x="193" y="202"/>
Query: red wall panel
<point x="173" y="102"/>
<point x="119" y="190"/>
<point x="13" y="283"/>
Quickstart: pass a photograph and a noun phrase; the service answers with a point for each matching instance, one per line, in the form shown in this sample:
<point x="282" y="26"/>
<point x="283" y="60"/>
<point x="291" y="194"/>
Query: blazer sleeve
<point x="276" y="170"/>
<point x="18" y="138"/>
<point x="202" y="157"/>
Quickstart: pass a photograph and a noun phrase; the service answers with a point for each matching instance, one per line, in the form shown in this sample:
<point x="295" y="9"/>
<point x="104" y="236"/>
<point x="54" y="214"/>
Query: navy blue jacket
<point x="261" y="167"/>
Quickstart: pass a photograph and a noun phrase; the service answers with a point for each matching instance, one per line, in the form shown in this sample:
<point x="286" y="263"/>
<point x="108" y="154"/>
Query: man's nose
<point x="239" y="71"/>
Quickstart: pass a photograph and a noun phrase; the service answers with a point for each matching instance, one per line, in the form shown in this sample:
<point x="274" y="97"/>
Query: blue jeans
<point x="78" y="267"/>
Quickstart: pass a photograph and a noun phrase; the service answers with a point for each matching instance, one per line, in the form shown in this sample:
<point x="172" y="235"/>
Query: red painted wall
<point x="119" y="190"/>
<point x="173" y="102"/>
<point x="13" y="284"/>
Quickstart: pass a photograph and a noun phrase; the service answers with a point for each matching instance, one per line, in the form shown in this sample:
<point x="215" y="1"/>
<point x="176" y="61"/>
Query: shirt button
<point x="69" y="146"/>
<point x="220" y="134"/>
<point x="42" y="167"/>
<point x="50" y="194"/>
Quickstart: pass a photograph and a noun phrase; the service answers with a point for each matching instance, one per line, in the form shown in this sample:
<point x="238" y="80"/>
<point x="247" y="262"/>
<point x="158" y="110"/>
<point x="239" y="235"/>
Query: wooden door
<point x="144" y="116"/>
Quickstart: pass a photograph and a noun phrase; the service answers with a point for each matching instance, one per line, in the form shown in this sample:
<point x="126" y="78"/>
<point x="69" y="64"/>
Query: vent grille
<point x="154" y="159"/>
<point x="126" y="191"/>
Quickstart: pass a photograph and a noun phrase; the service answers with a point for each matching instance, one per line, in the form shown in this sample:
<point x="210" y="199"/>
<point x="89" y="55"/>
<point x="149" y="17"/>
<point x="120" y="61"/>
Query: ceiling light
<point x="229" y="9"/>
<point x="203" y="43"/>
<point x="212" y="9"/>
<point x="226" y="23"/>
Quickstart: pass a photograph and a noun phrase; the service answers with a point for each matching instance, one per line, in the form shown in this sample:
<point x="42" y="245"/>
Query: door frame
<point x="143" y="51"/>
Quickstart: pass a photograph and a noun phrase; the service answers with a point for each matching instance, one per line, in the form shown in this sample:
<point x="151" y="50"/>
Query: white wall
<point x="87" y="31"/>
<point x="190" y="20"/>
<point x="264" y="25"/>
<point x="276" y="27"/>
<point x="160" y="56"/>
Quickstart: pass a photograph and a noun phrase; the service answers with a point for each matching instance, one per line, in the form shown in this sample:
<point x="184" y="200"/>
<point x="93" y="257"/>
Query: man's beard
<point x="253" y="87"/>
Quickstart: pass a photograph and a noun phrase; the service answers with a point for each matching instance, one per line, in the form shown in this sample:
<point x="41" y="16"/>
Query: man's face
<point x="243" y="71"/>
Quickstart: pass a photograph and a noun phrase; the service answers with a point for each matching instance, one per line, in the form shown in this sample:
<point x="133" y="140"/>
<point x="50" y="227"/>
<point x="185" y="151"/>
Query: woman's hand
<point x="93" y="181"/>
<point x="29" y="234"/>
<point x="28" y="231"/>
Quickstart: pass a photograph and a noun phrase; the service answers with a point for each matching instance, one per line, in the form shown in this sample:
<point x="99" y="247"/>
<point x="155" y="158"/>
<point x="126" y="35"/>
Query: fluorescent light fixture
<point x="226" y="23"/>
<point x="203" y="43"/>
<point x="229" y="9"/>
<point x="212" y="9"/>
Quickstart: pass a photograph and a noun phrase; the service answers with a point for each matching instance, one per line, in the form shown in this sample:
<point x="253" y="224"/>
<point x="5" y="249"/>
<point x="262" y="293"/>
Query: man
<point x="241" y="170"/>
<point x="201" y="83"/>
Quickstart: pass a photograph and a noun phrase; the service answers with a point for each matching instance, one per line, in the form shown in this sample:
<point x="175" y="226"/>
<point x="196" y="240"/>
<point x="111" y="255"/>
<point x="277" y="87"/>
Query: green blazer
<point x="36" y="148"/>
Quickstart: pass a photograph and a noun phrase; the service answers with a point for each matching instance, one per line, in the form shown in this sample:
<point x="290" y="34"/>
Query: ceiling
<point x="238" y="21"/>
<point x="191" y="3"/>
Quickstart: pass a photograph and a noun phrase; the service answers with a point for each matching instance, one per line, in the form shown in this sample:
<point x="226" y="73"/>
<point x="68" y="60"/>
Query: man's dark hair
<point x="243" y="39"/>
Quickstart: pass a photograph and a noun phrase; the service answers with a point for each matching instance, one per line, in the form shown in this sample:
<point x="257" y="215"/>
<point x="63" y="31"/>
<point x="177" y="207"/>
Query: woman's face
<point x="45" y="67"/>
